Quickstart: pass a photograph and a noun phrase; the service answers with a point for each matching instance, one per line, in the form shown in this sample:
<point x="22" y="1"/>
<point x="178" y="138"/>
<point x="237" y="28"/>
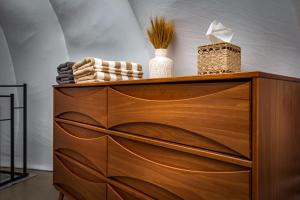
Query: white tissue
<point x="217" y="33"/>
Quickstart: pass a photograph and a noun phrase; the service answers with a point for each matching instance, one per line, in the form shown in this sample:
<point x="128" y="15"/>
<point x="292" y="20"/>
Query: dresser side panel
<point x="276" y="136"/>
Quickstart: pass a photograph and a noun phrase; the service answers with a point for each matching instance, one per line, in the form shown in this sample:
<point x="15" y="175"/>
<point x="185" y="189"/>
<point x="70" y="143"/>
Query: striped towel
<point x="112" y="70"/>
<point x="102" y="76"/>
<point x="93" y="73"/>
<point x="90" y="61"/>
<point x="90" y="81"/>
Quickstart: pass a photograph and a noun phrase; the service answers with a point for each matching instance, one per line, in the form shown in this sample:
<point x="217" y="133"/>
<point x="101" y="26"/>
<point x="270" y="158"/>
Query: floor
<point x="36" y="188"/>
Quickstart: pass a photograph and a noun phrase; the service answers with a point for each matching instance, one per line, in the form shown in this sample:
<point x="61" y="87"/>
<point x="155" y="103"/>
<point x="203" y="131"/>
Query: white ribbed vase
<point x="161" y="66"/>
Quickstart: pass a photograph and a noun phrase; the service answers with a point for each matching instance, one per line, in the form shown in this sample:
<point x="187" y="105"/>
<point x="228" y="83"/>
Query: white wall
<point x="43" y="33"/>
<point x="101" y="28"/>
<point x="267" y="30"/>
<point x="37" y="46"/>
<point x="7" y="76"/>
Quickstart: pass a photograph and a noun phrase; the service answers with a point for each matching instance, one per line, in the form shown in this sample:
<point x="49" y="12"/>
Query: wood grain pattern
<point x="184" y="183"/>
<point x="90" y="151"/>
<point x="148" y="188"/>
<point x="170" y="91"/>
<point x="176" y="158"/>
<point x="161" y="143"/>
<point x="174" y="135"/>
<point x="73" y="129"/>
<point x="180" y="79"/>
<point x="276" y="166"/>
<point x="112" y="194"/>
<point x="94" y="176"/>
<point x="216" y="119"/>
<point x="228" y="136"/>
<point x="87" y="105"/>
<point x="77" y="186"/>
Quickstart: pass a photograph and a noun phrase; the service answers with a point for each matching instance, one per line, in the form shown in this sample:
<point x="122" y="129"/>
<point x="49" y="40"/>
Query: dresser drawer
<point x="168" y="174"/>
<point x="114" y="193"/>
<point x="213" y="116"/>
<point x="87" y="105"/>
<point x="83" y="145"/>
<point x="76" y="182"/>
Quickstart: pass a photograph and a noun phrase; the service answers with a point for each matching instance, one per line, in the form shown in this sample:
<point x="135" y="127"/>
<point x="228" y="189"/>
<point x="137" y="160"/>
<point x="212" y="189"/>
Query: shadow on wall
<point x="36" y="44"/>
<point x="7" y="77"/>
<point x="98" y="28"/>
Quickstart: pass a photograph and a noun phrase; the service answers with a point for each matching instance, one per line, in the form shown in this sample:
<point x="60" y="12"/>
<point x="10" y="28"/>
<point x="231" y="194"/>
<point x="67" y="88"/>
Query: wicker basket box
<point x="219" y="58"/>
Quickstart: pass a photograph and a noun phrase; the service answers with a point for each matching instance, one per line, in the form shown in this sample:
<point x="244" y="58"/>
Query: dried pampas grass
<point x="160" y="33"/>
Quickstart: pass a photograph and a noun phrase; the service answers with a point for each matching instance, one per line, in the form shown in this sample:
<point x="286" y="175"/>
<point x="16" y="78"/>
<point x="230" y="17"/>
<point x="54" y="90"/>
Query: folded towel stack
<point x="97" y="70"/>
<point x="65" y="73"/>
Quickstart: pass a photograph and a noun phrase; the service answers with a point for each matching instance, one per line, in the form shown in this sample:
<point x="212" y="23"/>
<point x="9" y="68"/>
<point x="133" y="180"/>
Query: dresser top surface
<point x="197" y="78"/>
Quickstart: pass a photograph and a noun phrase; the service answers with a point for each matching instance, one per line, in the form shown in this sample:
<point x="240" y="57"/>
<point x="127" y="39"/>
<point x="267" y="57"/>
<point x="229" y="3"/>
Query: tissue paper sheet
<point x="218" y="33"/>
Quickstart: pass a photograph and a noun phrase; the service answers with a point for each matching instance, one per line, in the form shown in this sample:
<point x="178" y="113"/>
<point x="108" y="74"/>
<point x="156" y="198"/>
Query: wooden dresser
<point x="229" y="136"/>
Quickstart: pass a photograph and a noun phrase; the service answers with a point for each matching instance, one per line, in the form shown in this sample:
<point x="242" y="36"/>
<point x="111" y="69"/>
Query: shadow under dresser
<point x="226" y="136"/>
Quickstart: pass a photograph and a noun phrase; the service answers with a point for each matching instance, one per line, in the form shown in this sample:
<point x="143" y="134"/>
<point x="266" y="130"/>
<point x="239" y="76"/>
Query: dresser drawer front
<point x="77" y="185"/>
<point x="83" y="145"/>
<point x="214" y="116"/>
<point x="114" y="193"/>
<point x="86" y="105"/>
<point x="168" y="174"/>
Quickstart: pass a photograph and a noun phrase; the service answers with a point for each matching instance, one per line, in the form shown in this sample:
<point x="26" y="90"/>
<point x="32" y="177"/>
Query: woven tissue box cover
<point x="219" y="58"/>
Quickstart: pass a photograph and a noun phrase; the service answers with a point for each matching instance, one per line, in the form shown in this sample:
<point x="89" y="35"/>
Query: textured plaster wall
<point x="101" y="28"/>
<point x="36" y="44"/>
<point x="7" y="76"/>
<point x="40" y="34"/>
<point x="268" y="31"/>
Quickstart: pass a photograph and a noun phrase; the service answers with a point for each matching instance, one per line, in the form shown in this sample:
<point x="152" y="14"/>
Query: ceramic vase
<point x="161" y="66"/>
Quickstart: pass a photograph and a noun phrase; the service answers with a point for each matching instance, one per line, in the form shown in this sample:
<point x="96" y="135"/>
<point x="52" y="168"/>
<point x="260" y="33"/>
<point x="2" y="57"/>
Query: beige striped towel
<point x="90" y="81"/>
<point x="102" y="76"/>
<point x="90" y="61"/>
<point x="108" y="70"/>
<point x="93" y="74"/>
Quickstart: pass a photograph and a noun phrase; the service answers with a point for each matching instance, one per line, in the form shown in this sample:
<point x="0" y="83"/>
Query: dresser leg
<point x="61" y="196"/>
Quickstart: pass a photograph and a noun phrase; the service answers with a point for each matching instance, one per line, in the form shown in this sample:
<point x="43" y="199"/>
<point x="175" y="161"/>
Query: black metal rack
<point x="12" y="173"/>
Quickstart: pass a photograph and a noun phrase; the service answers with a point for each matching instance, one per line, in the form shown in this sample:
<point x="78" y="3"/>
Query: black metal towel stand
<point x="14" y="175"/>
